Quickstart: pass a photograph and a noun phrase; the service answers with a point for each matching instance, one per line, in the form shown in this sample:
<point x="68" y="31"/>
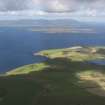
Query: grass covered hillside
<point x="66" y="78"/>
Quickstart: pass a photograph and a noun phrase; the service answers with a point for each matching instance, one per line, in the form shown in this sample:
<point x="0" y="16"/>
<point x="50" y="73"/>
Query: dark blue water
<point x="98" y="62"/>
<point x="17" y="45"/>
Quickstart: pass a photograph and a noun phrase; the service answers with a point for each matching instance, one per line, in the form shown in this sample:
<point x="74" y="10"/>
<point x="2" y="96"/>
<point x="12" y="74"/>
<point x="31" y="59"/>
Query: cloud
<point x="13" y="5"/>
<point x="58" y="7"/>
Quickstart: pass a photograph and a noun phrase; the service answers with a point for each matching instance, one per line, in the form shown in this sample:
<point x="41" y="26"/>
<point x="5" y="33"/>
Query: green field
<point x="61" y="80"/>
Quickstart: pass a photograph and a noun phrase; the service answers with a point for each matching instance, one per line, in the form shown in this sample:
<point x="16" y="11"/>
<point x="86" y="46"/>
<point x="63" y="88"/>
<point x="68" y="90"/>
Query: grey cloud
<point x="67" y="6"/>
<point x="13" y="5"/>
<point x="73" y="5"/>
<point x="54" y="6"/>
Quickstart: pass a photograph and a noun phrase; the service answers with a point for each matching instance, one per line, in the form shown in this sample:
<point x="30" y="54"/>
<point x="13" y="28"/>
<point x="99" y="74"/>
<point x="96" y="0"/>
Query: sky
<point x="80" y="9"/>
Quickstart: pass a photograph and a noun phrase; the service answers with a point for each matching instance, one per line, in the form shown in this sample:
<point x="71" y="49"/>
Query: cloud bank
<point x="91" y="8"/>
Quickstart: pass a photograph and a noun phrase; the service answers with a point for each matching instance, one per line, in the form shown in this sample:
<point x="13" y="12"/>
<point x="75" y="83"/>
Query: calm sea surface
<point x="18" y="44"/>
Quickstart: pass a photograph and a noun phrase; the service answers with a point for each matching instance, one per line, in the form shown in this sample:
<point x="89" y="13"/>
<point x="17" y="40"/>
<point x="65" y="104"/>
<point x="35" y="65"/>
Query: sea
<point x="19" y="43"/>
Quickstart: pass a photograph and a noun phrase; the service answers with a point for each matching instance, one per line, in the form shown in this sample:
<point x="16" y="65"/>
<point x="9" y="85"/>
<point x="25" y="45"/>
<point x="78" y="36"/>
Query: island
<point x="67" y="77"/>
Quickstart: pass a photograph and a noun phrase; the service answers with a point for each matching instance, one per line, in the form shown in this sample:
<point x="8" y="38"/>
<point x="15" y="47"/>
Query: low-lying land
<point x="64" y="30"/>
<point x="66" y="78"/>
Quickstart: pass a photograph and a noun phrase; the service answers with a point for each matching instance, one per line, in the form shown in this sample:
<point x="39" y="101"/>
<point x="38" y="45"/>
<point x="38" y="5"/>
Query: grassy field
<point x="64" y="79"/>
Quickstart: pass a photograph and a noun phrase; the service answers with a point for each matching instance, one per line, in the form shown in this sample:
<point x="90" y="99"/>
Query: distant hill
<point x="40" y="22"/>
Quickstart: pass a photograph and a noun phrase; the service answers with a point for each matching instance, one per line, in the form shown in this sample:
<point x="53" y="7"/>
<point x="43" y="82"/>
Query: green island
<point x="66" y="78"/>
